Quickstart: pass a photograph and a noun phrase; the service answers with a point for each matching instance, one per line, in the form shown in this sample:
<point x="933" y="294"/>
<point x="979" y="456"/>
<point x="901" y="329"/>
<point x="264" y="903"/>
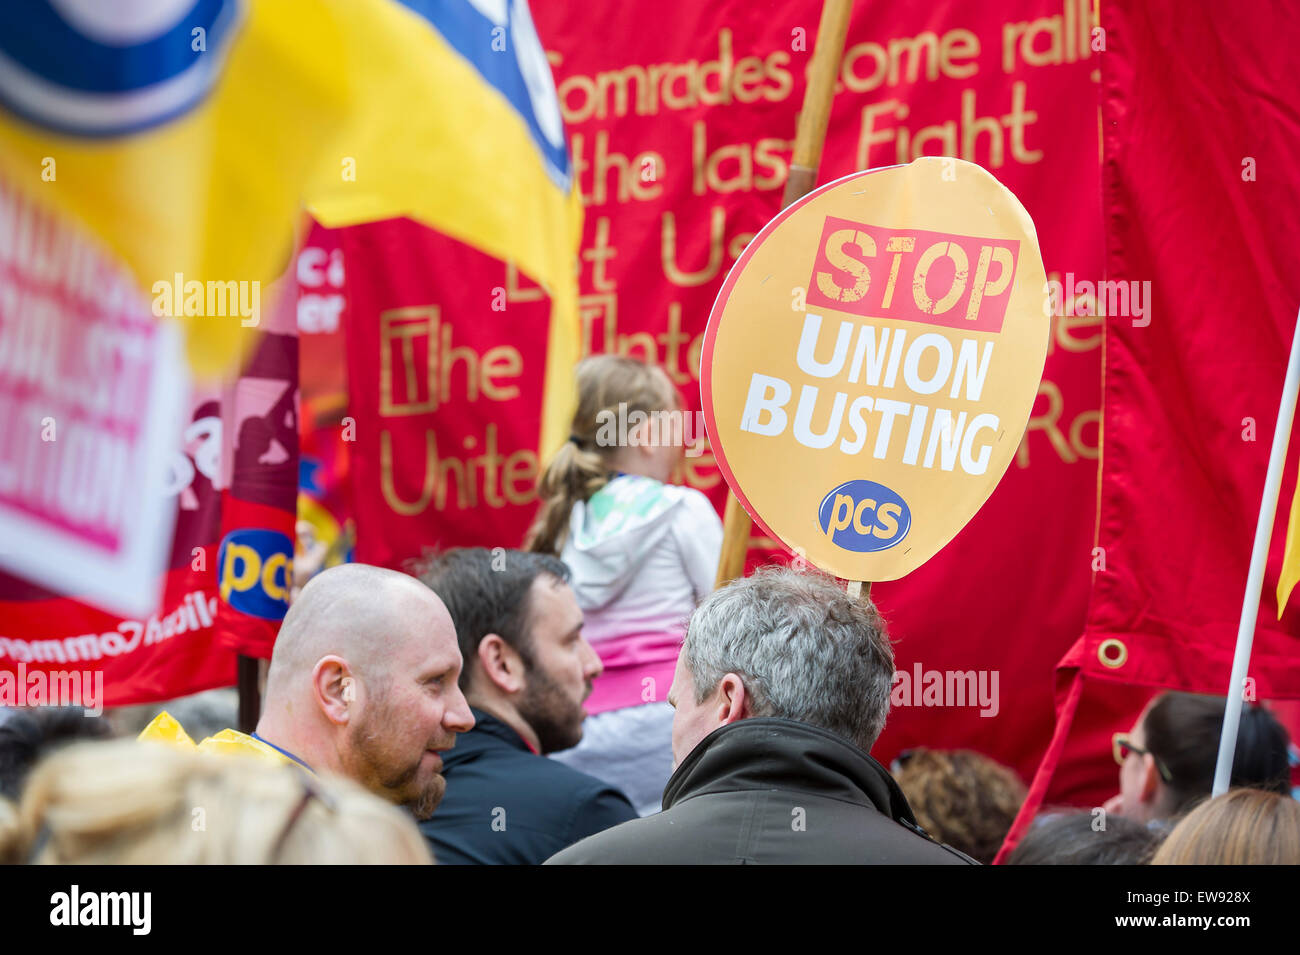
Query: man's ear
<point x="335" y="688"/>
<point x="732" y="701"/>
<point x="500" y="664"/>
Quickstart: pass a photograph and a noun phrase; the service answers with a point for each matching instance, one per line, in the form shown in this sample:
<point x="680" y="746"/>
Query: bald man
<point x="364" y="683"/>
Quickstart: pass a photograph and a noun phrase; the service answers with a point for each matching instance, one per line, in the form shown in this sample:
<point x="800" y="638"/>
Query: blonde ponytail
<point x="573" y="475"/>
<point x="582" y="466"/>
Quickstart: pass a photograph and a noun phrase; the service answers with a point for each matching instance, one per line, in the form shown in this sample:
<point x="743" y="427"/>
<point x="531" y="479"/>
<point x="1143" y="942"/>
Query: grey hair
<point x="802" y="647"/>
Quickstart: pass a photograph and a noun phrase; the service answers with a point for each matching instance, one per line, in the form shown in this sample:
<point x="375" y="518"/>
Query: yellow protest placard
<point x="872" y="360"/>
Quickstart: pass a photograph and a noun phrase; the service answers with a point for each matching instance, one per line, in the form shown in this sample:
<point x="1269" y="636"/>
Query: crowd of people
<point x="410" y="718"/>
<point x="593" y="699"/>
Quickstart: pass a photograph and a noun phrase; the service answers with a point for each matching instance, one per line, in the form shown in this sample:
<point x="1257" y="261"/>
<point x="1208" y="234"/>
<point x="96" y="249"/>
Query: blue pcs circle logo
<point x="863" y="516"/>
<point x="93" y="68"/>
<point x="255" y="570"/>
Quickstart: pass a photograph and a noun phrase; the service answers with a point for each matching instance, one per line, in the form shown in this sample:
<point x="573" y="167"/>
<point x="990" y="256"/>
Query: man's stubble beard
<point x="553" y="716"/>
<point x="428" y="800"/>
<point x="375" y="767"/>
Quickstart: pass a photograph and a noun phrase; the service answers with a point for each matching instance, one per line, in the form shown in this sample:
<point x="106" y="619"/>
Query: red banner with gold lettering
<point x="446" y="359"/>
<point x="681" y="138"/>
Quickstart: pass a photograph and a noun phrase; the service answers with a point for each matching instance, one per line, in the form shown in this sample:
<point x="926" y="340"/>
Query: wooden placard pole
<point x="250" y="698"/>
<point x="809" y="139"/>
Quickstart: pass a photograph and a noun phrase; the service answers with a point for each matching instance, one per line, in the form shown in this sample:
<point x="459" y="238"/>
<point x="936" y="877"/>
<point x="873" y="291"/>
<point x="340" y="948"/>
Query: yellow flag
<point x="457" y="125"/>
<point x="1290" y="574"/>
<point x="184" y="153"/>
<point x="186" y="135"/>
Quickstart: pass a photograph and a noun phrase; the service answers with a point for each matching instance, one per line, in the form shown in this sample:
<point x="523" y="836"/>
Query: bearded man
<point x="363" y="682"/>
<point x="527" y="672"/>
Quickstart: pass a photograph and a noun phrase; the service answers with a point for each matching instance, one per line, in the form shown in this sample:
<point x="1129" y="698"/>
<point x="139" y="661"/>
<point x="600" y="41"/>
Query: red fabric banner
<point x="171" y="652"/>
<point x="326" y="431"/>
<point x="1199" y="175"/>
<point x="1192" y="387"/>
<point x="234" y="479"/>
<point x="259" y="505"/>
<point x="681" y="138"/>
<point x="446" y="360"/>
<point x="77" y="338"/>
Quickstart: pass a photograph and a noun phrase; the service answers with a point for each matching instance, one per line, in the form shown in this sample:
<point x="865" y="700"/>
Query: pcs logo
<point x="256" y="571"/>
<point x="863" y="516"/>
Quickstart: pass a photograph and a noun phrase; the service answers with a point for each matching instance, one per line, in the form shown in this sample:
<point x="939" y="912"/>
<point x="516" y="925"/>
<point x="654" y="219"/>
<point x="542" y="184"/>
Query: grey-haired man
<point x="782" y="686"/>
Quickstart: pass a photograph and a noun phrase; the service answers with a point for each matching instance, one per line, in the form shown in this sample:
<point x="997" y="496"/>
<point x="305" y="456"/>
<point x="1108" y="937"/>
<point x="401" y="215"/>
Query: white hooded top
<point x="643" y="554"/>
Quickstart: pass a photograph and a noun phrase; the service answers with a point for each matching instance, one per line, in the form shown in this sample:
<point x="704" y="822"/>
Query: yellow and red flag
<point x="179" y="142"/>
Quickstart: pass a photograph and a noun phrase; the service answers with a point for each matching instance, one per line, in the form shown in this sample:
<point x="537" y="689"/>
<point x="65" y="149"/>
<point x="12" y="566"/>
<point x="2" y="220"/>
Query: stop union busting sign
<point x="872" y="360"/>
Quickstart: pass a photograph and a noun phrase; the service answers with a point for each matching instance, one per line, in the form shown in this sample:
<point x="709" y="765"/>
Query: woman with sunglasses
<point x="1167" y="760"/>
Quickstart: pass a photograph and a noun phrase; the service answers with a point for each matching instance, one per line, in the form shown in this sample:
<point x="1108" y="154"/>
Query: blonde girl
<point x="643" y="553"/>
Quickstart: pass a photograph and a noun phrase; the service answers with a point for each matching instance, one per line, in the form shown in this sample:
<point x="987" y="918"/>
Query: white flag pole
<point x="1255" y="578"/>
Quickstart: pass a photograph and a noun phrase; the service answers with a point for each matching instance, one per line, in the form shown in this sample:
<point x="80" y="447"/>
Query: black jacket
<point x="506" y="805"/>
<point x="768" y="790"/>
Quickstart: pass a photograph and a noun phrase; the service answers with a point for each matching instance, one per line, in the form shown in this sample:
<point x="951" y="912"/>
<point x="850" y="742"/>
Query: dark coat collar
<point x="775" y="753"/>
<point x="488" y="732"/>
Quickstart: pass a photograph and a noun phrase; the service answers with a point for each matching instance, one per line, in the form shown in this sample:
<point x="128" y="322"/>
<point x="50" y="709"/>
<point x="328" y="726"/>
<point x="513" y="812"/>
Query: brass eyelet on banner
<point x="1112" y="653"/>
